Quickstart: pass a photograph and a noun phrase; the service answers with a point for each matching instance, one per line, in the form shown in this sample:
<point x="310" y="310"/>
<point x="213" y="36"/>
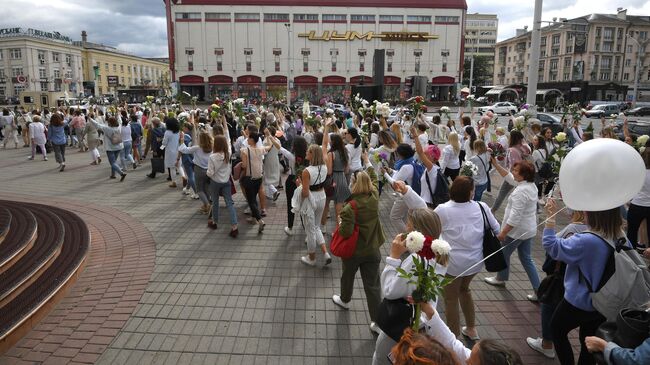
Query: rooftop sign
<point x="384" y="36"/>
<point x="35" y="33"/>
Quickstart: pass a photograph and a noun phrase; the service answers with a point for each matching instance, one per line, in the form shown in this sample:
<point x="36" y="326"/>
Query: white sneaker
<point x="532" y="298"/>
<point x="288" y="231"/>
<point x="337" y="300"/>
<point x="536" y="344"/>
<point x="374" y="328"/>
<point x="194" y="195"/>
<point x="187" y="191"/>
<point x="305" y="260"/>
<point x="494" y="281"/>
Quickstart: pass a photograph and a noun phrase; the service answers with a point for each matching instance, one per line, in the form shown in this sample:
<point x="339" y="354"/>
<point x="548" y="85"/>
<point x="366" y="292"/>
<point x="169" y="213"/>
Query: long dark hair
<point x="491" y="352"/>
<point x="172" y="125"/>
<point x="299" y="149"/>
<point x="355" y="134"/>
<point x="336" y="144"/>
<point x="515" y="138"/>
<point x="404" y="151"/>
<point x="472" y="136"/>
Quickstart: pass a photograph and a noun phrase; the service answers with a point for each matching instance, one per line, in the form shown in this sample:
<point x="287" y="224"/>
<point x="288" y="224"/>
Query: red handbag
<point x="345" y="247"/>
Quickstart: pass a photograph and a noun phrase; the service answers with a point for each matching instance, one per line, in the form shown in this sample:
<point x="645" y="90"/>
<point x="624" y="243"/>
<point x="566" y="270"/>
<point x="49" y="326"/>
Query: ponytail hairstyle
<point x="472" y="136"/>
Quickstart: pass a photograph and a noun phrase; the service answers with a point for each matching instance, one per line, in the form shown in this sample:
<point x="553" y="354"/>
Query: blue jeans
<point x="189" y="171"/>
<point x="547" y="315"/>
<point x="478" y="191"/>
<point x="523" y="249"/>
<point x="223" y="189"/>
<point x="126" y="155"/>
<point x="112" y="159"/>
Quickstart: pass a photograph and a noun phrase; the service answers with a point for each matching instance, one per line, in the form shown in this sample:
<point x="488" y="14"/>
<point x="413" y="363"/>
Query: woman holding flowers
<point x="519" y="222"/>
<point x="197" y="169"/>
<point x="366" y="257"/>
<point x="218" y="171"/>
<point x="517" y="152"/>
<point x="450" y="160"/>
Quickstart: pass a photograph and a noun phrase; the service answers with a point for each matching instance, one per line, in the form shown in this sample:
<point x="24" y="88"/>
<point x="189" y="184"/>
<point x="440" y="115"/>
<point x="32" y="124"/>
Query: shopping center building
<point x="229" y="48"/>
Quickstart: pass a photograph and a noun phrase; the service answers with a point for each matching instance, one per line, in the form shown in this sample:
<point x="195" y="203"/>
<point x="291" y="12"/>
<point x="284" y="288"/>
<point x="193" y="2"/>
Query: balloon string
<point x="503" y="247"/>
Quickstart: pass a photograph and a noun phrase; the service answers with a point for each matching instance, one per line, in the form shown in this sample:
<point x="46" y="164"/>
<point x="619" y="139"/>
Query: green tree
<point x="482" y="70"/>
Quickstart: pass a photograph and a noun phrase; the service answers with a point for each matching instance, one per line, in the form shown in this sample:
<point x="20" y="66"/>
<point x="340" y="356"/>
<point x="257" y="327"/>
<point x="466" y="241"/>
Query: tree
<point x="482" y="70"/>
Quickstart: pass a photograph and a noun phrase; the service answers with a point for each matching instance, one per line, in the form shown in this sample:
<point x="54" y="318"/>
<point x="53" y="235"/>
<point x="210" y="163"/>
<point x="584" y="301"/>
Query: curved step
<point x="5" y="221"/>
<point x="20" y="234"/>
<point x="31" y="265"/>
<point x="34" y="302"/>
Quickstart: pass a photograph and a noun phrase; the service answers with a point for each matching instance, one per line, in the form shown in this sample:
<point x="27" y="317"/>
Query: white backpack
<point x="625" y="282"/>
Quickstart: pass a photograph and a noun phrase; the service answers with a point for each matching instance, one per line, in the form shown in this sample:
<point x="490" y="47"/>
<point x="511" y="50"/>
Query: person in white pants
<point x="37" y="134"/>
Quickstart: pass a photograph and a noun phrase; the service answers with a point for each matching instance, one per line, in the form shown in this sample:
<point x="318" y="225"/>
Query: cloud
<point x="138" y="27"/>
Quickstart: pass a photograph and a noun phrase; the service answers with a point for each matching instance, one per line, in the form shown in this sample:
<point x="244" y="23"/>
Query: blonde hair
<point x="398" y="133"/>
<point x="205" y="142"/>
<point x="501" y="130"/>
<point x="362" y="184"/>
<point x="427" y="222"/>
<point x="479" y="147"/>
<point x="316" y="155"/>
<point x="454" y="142"/>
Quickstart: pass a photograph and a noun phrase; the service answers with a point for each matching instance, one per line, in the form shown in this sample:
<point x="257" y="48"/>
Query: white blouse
<point x="449" y="158"/>
<point x="521" y="211"/>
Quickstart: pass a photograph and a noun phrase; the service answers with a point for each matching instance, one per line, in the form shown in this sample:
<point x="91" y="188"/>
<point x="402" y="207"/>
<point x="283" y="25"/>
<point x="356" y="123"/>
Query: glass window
<point x="188" y="16"/>
<point x="41" y="73"/>
<point x="55" y="56"/>
<point x="41" y="57"/>
<point x="16" y="71"/>
<point x="335" y="17"/>
<point x="305" y="17"/>
<point x="362" y="18"/>
<point x="447" y="19"/>
<point x="276" y="17"/>
<point x="16" y="53"/>
<point x="247" y="16"/>
<point x="418" y="18"/>
<point x="217" y="16"/>
<point x="391" y="18"/>
<point x="1" y="53"/>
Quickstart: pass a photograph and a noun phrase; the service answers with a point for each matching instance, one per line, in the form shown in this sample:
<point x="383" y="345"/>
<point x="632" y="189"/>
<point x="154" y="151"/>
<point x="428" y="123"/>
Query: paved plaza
<point x="162" y="288"/>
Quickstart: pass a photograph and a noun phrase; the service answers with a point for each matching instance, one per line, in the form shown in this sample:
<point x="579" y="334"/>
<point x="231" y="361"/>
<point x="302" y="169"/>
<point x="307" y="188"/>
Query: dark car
<point x="639" y="111"/>
<point x="636" y="128"/>
<point x="550" y="121"/>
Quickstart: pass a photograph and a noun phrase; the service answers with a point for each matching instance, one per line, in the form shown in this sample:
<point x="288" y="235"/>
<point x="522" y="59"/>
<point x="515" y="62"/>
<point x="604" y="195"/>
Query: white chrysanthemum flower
<point x="329" y="111"/>
<point x="440" y="247"/>
<point x="414" y="241"/>
<point x="642" y="139"/>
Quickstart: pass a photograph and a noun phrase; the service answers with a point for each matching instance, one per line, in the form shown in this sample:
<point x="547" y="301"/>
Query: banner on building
<point x="578" y="70"/>
<point x="580" y="45"/>
<point x="113" y="81"/>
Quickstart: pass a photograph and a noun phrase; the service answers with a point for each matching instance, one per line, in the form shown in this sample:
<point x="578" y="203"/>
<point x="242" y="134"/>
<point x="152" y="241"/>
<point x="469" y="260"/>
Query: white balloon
<point x="601" y="174"/>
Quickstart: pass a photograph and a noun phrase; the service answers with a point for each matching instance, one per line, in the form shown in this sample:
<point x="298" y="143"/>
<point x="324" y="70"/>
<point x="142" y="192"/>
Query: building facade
<point x="593" y="57"/>
<point x="249" y="48"/>
<point x="108" y="70"/>
<point x="35" y="60"/>
<point x="480" y="39"/>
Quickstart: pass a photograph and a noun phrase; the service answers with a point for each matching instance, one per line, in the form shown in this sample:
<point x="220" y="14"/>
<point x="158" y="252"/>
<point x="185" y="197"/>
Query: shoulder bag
<point x="344" y="247"/>
<point x="494" y="259"/>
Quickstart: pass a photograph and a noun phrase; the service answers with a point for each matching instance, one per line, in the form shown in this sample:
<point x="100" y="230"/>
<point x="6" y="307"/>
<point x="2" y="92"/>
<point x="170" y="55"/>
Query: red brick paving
<point x="84" y="323"/>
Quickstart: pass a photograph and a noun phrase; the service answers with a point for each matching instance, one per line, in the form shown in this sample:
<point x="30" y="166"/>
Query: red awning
<point x="249" y="79"/>
<point x="305" y="80"/>
<point x="276" y="80"/>
<point x="191" y="79"/>
<point x="333" y="80"/>
<point x="392" y="80"/>
<point x="443" y="80"/>
<point x="220" y="80"/>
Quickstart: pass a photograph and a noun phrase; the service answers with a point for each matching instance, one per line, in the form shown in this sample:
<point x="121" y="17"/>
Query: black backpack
<point x="441" y="194"/>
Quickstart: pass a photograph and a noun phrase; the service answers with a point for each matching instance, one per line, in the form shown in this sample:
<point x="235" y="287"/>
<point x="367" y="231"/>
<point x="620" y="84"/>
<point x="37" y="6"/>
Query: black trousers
<point x="289" y="189"/>
<point x="451" y="173"/>
<point x="635" y="215"/>
<point x="252" y="188"/>
<point x="565" y="319"/>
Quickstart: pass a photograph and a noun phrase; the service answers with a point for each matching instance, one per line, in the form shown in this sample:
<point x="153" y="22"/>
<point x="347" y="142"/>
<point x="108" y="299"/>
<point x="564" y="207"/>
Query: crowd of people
<point x="437" y="172"/>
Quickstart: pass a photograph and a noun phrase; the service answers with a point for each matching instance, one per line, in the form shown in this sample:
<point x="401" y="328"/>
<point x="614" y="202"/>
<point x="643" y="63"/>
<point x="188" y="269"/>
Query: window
<point x="362" y="18"/>
<point x="444" y="65"/>
<point x="2" y="73"/>
<point x="626" y="76"/>
<point x="555" y="41"/>
<point x="542" y="42"/>
<point x="114" y="68"/>
<point x="122" y="80"/>
<point x="604" y="76"/>
<point x="276" y="56"/>
<point x="643" y="34"/>
<point x="606" y="63"/>
<point x="276" y="17"/>
<point x="57" y="86"/>
<point x="569" y="49"/>
<point x="598" y="31"/>
<point x="335" y="18"/>
<point x="629" y="49"/>
<point x="189" y="52"/>
<point x="305" y="59"/>
<point x="218" y="52"/>
<point x="41" y="57"/>
<point x="567" y="62"/>
<point x="607" y="46"/>
<point x="362" y="59"/>
<point x="305" y="18"/>
<point x="628" y="62"/>
<point x="122" y="68"/>
<point x="68" y="60"/>
<point x="608" y="33"/>
<point x="43" y="86"/>
<point x="334" y="52"/>
<point x="57" y="73"/>
<point x="106" y="66"/>
<point x="42" y="74"/>
<point x="553" y="64"/>
<point x="55" y="57"/>
<point x="391" y="18"/>
<point x="248" y="52"/>
<point x="542" y="53"/>
<point x="567" y="76"/>
<point x="247" y="17"/>
<point x="217" y="17"/>
<point x="15" y="53"/>
<point x="447" y="19"/>
<point x="16" y="71"/>
<point x="418" y="18"/>
<point x="188" y="16"/>
<point x="555" y="51"/>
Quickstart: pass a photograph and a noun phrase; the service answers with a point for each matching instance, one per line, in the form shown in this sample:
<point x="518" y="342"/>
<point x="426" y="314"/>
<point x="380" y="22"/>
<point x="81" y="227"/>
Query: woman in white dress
<point x="271" y="166"/>
<point x="170" y="144"/>
<point x="37" y="134"/>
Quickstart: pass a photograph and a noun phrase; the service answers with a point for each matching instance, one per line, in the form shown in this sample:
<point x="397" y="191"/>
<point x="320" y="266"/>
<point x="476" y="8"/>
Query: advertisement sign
<point x="113" y="81"/>
<point x="578" y="70"/>
<point x="580" y="45"/>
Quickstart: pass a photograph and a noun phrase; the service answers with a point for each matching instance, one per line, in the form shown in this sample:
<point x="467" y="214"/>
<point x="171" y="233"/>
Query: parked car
<point x="602" y="110"/>
<point x="636" y="128"/>
<point x="504" y="108"/>
<point x="638" y="111"/>
<point x="550" y="121"/>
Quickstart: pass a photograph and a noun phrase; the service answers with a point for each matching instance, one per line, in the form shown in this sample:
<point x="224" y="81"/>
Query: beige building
<point x="36" y="60"/>
<point x="108" y="70"/>
<point x="593" y="57"/>
<point x="480" y="37"/>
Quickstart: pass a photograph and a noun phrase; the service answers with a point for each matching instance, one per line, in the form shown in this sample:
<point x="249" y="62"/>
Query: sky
<point x="139" y="26"/>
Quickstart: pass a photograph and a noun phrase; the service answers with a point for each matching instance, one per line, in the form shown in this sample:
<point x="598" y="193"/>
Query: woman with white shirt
<point x="354" y="151"/>
<point x="463" y="222"/>
<point x="200" y="156"/>
<point x="469" y="137"/>
<point x="297" y="159"/>
<point x="219" y="173"/>
<point x="170" y="143"/>
<point x="37" y="135"/>
<point x="575" y="134"/>
<point x="449" y="161"/>
<point x="640" y="206"/>
<point x="126" y="155"/>
<point x="519" y="222"/>
<point x="482" y="161"/>
<point x="428" y="156"/>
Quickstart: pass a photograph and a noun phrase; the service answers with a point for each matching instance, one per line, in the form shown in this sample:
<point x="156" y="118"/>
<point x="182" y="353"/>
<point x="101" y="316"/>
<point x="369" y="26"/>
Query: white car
<point x="504" y="108"/>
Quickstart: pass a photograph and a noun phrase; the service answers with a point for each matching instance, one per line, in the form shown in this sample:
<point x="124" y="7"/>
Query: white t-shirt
<point x="643" y="197"/>
<point x="355" y="157"/>
<point x="424" y="187"/>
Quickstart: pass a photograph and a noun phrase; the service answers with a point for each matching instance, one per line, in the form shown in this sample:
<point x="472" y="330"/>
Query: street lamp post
<point x="288" y="25"/>
<point x="533" y="68"/>
<point x="639" y="66"/>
